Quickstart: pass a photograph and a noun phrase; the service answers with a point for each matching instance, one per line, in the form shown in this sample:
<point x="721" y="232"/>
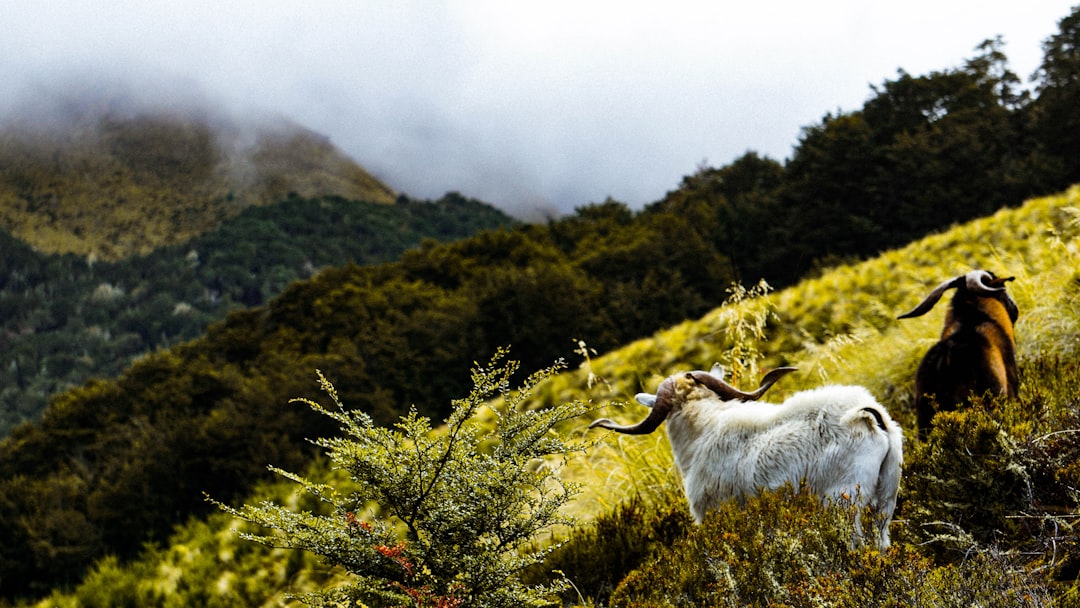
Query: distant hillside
<point x="64" y="320"/>
<point x="106" y="180"/>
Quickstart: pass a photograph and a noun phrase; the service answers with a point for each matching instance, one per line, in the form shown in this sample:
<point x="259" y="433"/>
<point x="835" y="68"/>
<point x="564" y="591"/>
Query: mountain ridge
<point x="107" y="181"/>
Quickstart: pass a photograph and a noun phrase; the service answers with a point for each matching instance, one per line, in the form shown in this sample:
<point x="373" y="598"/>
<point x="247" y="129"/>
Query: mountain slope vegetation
<point x="985" y="501"/>
<point x="108" y="178"/>
<point x="994" y="480"/>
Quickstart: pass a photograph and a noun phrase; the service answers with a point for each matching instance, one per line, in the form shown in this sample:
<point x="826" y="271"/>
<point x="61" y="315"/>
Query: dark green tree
<point x="924" y="152"/>
<point x="743" y="197"/>
<point x="1057" y="121"/>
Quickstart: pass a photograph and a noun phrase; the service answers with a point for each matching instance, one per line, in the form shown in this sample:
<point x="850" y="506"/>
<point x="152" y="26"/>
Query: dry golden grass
<point x="838" y="328"/>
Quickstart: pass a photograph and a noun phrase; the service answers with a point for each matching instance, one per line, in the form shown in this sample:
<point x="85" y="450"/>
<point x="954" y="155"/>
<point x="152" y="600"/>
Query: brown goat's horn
<point x="728" y="392"/>
<point x="660" y="410"/>
<point x="978" y="281"/>
<point x="935" y="295"/>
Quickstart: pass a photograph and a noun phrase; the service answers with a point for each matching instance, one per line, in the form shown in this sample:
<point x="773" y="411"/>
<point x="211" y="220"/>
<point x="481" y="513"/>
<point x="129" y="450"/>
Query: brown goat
<point x="977" y="350"/>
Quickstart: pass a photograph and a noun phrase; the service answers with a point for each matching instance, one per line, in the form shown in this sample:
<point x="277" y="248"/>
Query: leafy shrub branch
<point x="442" y="516"/>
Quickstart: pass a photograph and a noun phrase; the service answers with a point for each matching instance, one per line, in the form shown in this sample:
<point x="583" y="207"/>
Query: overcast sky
<point x="526" y="105"/>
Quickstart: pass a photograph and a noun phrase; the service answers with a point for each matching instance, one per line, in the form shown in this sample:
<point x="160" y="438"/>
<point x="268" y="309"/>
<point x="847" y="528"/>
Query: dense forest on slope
<point x="135" y="453"/>
<point x="109" y="177"/>
<point x="64" y="320"/>
<point x="924" y="152"/>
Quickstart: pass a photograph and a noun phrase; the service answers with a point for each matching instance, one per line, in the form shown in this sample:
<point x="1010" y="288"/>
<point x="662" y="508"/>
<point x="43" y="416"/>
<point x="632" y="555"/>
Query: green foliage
<point x="451" y="512"/>
<point x="597" y="556"/>
<point x="1058" y="86"/>
<point x="65" y="320"/>
<point x="966" y="480"/>
<point x="1002" y="473"/>
<point x="746" y="314"/>
<point x="203" y="564"/>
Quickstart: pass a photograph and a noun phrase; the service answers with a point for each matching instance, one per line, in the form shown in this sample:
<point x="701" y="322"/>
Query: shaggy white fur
<point x="838" y="440"/>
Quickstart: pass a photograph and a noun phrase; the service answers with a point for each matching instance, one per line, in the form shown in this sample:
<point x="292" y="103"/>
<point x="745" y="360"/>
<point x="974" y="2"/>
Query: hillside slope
<point x="108" y="180"/>
<point x="839" y="327"/>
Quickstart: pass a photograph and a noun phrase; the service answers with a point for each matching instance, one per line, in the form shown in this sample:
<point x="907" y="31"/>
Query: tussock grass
<point x="841" y="327"/>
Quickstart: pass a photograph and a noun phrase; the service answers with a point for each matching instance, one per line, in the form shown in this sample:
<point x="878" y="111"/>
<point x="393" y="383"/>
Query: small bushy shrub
<point x="436" y="517"/>
<point x="964" y="481"/>
<point x="1000" y="471"/>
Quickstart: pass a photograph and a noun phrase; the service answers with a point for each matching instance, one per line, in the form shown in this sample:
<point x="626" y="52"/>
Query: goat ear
<point x="983" y="282"/>
<point x="935" y="295"/>
<point x="646" y="399"/>
<point x="869" y="416"/>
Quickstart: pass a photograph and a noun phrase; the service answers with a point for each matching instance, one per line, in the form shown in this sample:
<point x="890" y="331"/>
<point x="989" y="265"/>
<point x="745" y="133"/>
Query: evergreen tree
<point x="1057" y="121"/>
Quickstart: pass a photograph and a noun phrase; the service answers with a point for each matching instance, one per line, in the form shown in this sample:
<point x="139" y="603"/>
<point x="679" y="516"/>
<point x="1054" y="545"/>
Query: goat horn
<point x="978" y="281"/>
<point x="661" y="407"/>
<point x="728" y="392"/>
<point x="935" y="295"/>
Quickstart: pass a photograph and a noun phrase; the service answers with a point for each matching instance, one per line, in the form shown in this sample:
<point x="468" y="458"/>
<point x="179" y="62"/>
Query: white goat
<point x="837" y="439"/>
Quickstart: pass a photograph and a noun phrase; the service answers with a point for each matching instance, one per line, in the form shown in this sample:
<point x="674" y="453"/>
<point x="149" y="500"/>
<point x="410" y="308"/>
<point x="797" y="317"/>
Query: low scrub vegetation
<point x="440" y="518"/>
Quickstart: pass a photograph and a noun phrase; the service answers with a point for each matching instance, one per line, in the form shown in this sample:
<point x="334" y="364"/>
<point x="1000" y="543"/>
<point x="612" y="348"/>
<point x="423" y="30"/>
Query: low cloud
<point x="538" y="109"/>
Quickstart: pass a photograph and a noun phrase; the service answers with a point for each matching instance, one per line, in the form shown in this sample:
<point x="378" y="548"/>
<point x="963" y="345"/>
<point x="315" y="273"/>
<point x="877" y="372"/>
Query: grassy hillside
<point x="964" y="524"/>
<point x="841" y="327"/>
<point x="109" y="181"/>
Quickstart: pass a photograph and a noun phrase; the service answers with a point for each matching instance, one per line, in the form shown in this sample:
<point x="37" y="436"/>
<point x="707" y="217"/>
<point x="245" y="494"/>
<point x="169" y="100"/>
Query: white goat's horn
<point x="661" y="407"/>
<point x="985" y="283"/>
